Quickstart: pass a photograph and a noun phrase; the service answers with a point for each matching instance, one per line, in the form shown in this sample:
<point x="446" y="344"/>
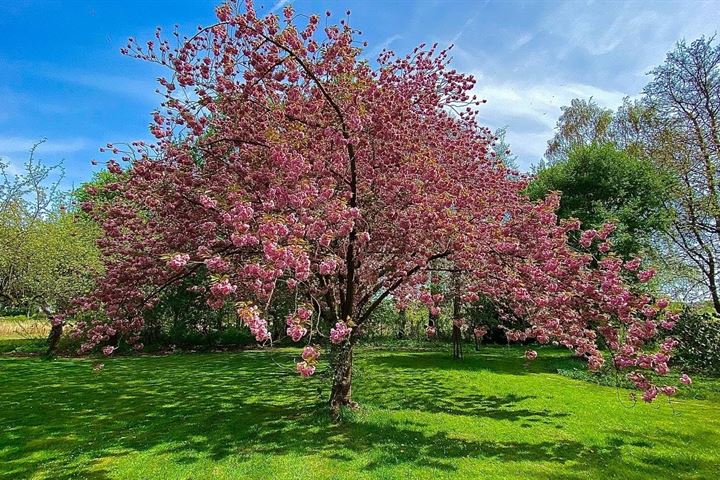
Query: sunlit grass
<point x="423" y="415"/>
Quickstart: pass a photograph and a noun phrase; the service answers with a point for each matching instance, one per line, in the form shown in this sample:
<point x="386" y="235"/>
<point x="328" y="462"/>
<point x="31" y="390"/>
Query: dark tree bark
<point x="54" y="338"/>
<point x="457" y="319"/>
<point x="403" y="324"/>
<point x="341" y="393"/>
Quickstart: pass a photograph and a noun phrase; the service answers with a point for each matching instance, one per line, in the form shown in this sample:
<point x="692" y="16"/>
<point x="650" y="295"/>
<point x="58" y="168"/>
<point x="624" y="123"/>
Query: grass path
<point x="424" y="416"/>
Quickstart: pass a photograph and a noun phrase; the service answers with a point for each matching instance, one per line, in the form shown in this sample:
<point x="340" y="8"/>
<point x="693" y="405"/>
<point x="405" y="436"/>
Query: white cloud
<point x="531" y="111"/>
<point x="8" y="166"/>
<point x="522" y="40"/>
<point x="22" y="145"/>
<point x="142" y="89"/>
<point x="638" y="29"/>
<point x="278" y="5"/>
<point x="539" y="103"/>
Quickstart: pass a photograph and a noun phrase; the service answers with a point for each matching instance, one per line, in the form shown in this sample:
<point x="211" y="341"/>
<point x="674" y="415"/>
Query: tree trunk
<point x="55" y="330"/>
<point x="54" y="338"/>
<point x="457" y="319"/>
<point x="403" y="324"/>
<point x="341" y="393"/>
<point x="457" y="341"/>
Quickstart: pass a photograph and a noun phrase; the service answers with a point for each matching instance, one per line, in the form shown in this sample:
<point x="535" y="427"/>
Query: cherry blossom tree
<point x="284" y="157"/>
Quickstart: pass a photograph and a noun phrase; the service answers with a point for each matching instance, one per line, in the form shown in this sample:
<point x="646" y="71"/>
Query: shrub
<point x="699" y="337"/>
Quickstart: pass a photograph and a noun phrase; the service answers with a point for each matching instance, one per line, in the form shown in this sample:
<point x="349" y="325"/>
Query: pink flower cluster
<point x="223" y="288"/>
<point x="217" y="264"/>
<point x="340" y="333"/>
<point x="430" y="331"/>
<point x="250" y="316"/>
<point x="480" y="331"/>
<point x="178" y="262"/>
<point x="432" y="302"/>
<point x="646" y="275"/>
<point x="310" y="355"/>
<point x="651" y="391"/>
<point x="530" y="354"/>
<point x="328" y="267"/>
<point x="297" y="323"/>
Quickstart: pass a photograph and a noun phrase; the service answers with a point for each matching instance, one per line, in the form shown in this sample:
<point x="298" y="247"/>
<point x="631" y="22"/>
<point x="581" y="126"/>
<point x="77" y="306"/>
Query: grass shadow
<point x="64" y="420"/>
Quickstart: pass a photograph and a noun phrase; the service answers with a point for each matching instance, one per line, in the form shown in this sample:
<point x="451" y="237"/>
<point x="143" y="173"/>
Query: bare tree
<point x="678" y="122"/>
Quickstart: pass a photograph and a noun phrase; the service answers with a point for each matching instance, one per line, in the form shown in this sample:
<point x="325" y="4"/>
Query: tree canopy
<point x="600" y="184"/>
<point x="284" y="157"/>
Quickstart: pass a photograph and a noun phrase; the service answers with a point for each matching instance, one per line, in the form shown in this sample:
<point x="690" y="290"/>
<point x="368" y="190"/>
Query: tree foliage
<point x="47" y="258"/>
<point x="583" y="122"/>
<point x="600" y="184"/>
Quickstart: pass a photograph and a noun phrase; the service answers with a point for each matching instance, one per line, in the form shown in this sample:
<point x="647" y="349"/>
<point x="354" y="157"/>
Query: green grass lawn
<point x="238" y="415"/>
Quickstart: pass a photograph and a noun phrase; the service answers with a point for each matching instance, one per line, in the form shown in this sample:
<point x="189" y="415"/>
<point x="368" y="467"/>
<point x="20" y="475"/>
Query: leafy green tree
<point x="48" y="255"/>
<point x="600" y="183"/>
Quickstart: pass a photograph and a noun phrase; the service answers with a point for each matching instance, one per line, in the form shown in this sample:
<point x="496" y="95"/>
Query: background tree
<point x="501" y="149"/>
<point x="47" y="255"/>
<point x="684" y="137"/>
<point x="581" y="123"/>
<point x="600" y="184"/>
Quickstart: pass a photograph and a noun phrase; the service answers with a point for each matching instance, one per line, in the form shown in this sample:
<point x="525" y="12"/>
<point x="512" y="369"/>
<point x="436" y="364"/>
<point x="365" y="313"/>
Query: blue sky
<point x="62" y="77"/>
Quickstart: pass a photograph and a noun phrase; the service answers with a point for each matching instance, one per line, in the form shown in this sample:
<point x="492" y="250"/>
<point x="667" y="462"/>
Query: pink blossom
<point x="250" y="316"/>
<point x="430" y="331"/>
<point x="650" y="394"/>
<point x="587" y="237"/>
<point x="328" y="267"/>
<point x="685" y="380"/>
<point x="479" y="331"/>
<point x="310" y="353"/>
<point x="296" y="332"/>
<point x="222" y="288"/>
<point x="646" y="275"/>
<point x="305" y="369"/>
<point x="178" y="262"/>
<point x="217" y="264"/>
<point x="108" y="350"/>
<point x="606" y="230"/>
<point x="595" y="362"/>
<point x="340" y="332"/>
<point x="207" y="202"/>
<point x="667" y="324"/>
<point x="633" y="265"/>
<point x="668" y="390"/>
<point x="530" y="354"/>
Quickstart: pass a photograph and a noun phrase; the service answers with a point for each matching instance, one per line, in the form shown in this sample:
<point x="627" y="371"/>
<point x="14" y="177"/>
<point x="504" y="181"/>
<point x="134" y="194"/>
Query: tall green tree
<point x="601" y="183"/>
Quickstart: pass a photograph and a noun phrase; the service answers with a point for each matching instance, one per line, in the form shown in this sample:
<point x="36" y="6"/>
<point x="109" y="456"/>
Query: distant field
<point x="20" y="326"/>
<point x="423" y="416"/>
